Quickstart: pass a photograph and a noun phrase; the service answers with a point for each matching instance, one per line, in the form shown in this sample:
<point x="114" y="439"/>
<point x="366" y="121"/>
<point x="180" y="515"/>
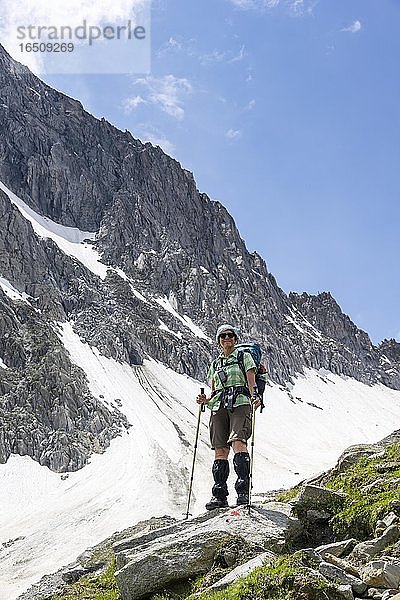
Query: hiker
<point x="231" y="416"/>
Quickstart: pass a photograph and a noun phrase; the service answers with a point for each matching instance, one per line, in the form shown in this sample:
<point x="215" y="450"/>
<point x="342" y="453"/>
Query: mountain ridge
<point x="171" y="263"/>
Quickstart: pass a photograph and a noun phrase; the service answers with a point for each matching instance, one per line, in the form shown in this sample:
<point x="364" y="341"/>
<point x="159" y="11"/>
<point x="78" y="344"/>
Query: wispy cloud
<point x="353" y="28"/>
<point x="176" y="45"/>
<point x="166" y="93"/>
<point x="240" y="56"/>
<point x="250" y="105"/>
<point x="254" y="4"/>
<point x="130" y="104"/>
<point x="146" y="132"/>
<point x="212" y="57"/>
<point x="233" y="134"/>
<point x="226" y="56"/>
<point x="295" y="7"/>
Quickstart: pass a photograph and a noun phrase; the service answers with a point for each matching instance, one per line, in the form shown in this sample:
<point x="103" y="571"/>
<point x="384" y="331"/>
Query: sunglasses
<point x="228" y="335"/>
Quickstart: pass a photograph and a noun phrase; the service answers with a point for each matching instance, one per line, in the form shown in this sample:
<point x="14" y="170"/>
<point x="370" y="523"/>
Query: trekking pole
<point x="253" y="421"/>
<point x="202" y="408"/>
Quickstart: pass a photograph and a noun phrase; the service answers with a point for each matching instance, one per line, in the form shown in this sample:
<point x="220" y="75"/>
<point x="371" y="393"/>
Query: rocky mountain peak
<point x="391" y="349"/>
<point x="170" y="265"/>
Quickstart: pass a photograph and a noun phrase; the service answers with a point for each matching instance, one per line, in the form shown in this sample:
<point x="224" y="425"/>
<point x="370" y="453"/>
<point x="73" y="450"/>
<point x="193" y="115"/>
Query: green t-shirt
<point x="235" y="376"/>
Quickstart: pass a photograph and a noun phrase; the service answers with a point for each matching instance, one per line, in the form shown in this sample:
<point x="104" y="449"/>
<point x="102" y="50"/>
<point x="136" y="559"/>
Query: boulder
<point x="336" y="548"/>
<point x="387" y="521"/>
<point x="364" y="551"/>
<point x="339" y="576"/>
<point x="375" y="593"/>
<point x="382" y="594"/>
<point x="155" y="560"/>
<point x="381" y="574"/>
<point x="315" y="497"/>
<point x="342" y="564"/>
<point x="154" y="570"/>
<point x="318" y="517"/>
<point x="354" y="453"/>
<point x="390" y="519"/>
<point x="241" y="571"/>
<point x="346" y="592"/>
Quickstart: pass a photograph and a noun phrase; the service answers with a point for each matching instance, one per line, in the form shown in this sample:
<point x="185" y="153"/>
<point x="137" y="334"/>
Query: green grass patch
<point x="284" y="579"/>
<point x="101" y="587"/>
<point x="362" y="508"/>
<point x="287" y="495"/>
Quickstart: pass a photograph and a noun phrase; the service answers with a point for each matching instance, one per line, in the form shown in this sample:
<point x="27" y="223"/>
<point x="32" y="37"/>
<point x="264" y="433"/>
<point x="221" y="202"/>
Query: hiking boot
<point x="216" y="503"/>
<point x="220" y="471"/>
<point x="241" y="462"/>
<point x="242" y="499"/>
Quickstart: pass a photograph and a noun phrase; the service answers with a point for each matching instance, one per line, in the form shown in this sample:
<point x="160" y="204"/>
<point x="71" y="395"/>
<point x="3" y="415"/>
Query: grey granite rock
<point x="150" y="562"/>
<point x="338" y="549"/>
<point x="381" y="574"/>
<point x="346" y="591"/>
<point x="338" y="575"/>
<point x="241" y="571"/>
<point x="364" y="551"/>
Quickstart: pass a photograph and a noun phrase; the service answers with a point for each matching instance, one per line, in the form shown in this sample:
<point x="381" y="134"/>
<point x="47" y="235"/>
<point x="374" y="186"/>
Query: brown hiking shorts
<point x="227" y="427"/>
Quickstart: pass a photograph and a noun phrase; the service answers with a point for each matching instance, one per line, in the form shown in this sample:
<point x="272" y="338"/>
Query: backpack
<point x="254" y="349"/>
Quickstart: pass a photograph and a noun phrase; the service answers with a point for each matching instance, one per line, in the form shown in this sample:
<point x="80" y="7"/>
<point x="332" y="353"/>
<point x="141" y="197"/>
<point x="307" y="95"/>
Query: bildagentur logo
<point x="85" y="32"/>
<point x="80" y="36"/>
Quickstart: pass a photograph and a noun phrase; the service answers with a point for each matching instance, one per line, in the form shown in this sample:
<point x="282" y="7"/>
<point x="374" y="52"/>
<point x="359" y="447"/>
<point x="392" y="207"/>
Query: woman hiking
<point x="231" y="405"/>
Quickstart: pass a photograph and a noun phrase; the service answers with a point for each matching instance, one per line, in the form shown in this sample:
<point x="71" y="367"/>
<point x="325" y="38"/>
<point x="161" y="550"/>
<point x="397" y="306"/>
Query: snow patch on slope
<point x="12" y="292"/>
<point x="70" y="240"/>
<point x="184" y="319"/>
<point x="310" y="329"/>
<point x="165" y="327"/>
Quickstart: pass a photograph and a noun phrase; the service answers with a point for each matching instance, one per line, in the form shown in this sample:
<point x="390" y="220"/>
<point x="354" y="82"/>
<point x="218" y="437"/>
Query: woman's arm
<point x="202" y="398"/>
<point x="251" y="382"/>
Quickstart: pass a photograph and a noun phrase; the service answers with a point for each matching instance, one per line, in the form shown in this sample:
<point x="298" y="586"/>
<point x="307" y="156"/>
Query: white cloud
<point x="148" y="133"/>
<point x="218" y="56"/>
<point x="250" y="105"/>
<point x="175" y="45"/>
<point x="130" y="104"/>
<point x="254" y="4"/>
<point x="164" y="144"/>
<point x="295" y="7"/>
<point x="166" y="93"/>
<point x="233" y="134"/>
<point x="214" y="56"/>
<point x="353" y="28"/>
<point x="240" y="56"/>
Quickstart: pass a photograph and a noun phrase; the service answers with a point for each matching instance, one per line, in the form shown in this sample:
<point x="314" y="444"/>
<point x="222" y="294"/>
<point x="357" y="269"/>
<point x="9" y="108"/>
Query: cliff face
<point x="175" y="258"/>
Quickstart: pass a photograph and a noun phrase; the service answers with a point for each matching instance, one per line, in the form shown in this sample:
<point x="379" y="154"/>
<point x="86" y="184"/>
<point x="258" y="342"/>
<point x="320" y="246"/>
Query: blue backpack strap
<point x="240" y="359"/>
<point x="260" y="382"/>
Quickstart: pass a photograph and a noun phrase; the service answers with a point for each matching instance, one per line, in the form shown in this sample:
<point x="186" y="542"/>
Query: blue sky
<point x="288" y="112"/>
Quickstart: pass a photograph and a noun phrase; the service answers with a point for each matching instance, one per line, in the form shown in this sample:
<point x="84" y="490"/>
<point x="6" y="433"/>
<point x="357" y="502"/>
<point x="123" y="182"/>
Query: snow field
<point x="145" y="472"/>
